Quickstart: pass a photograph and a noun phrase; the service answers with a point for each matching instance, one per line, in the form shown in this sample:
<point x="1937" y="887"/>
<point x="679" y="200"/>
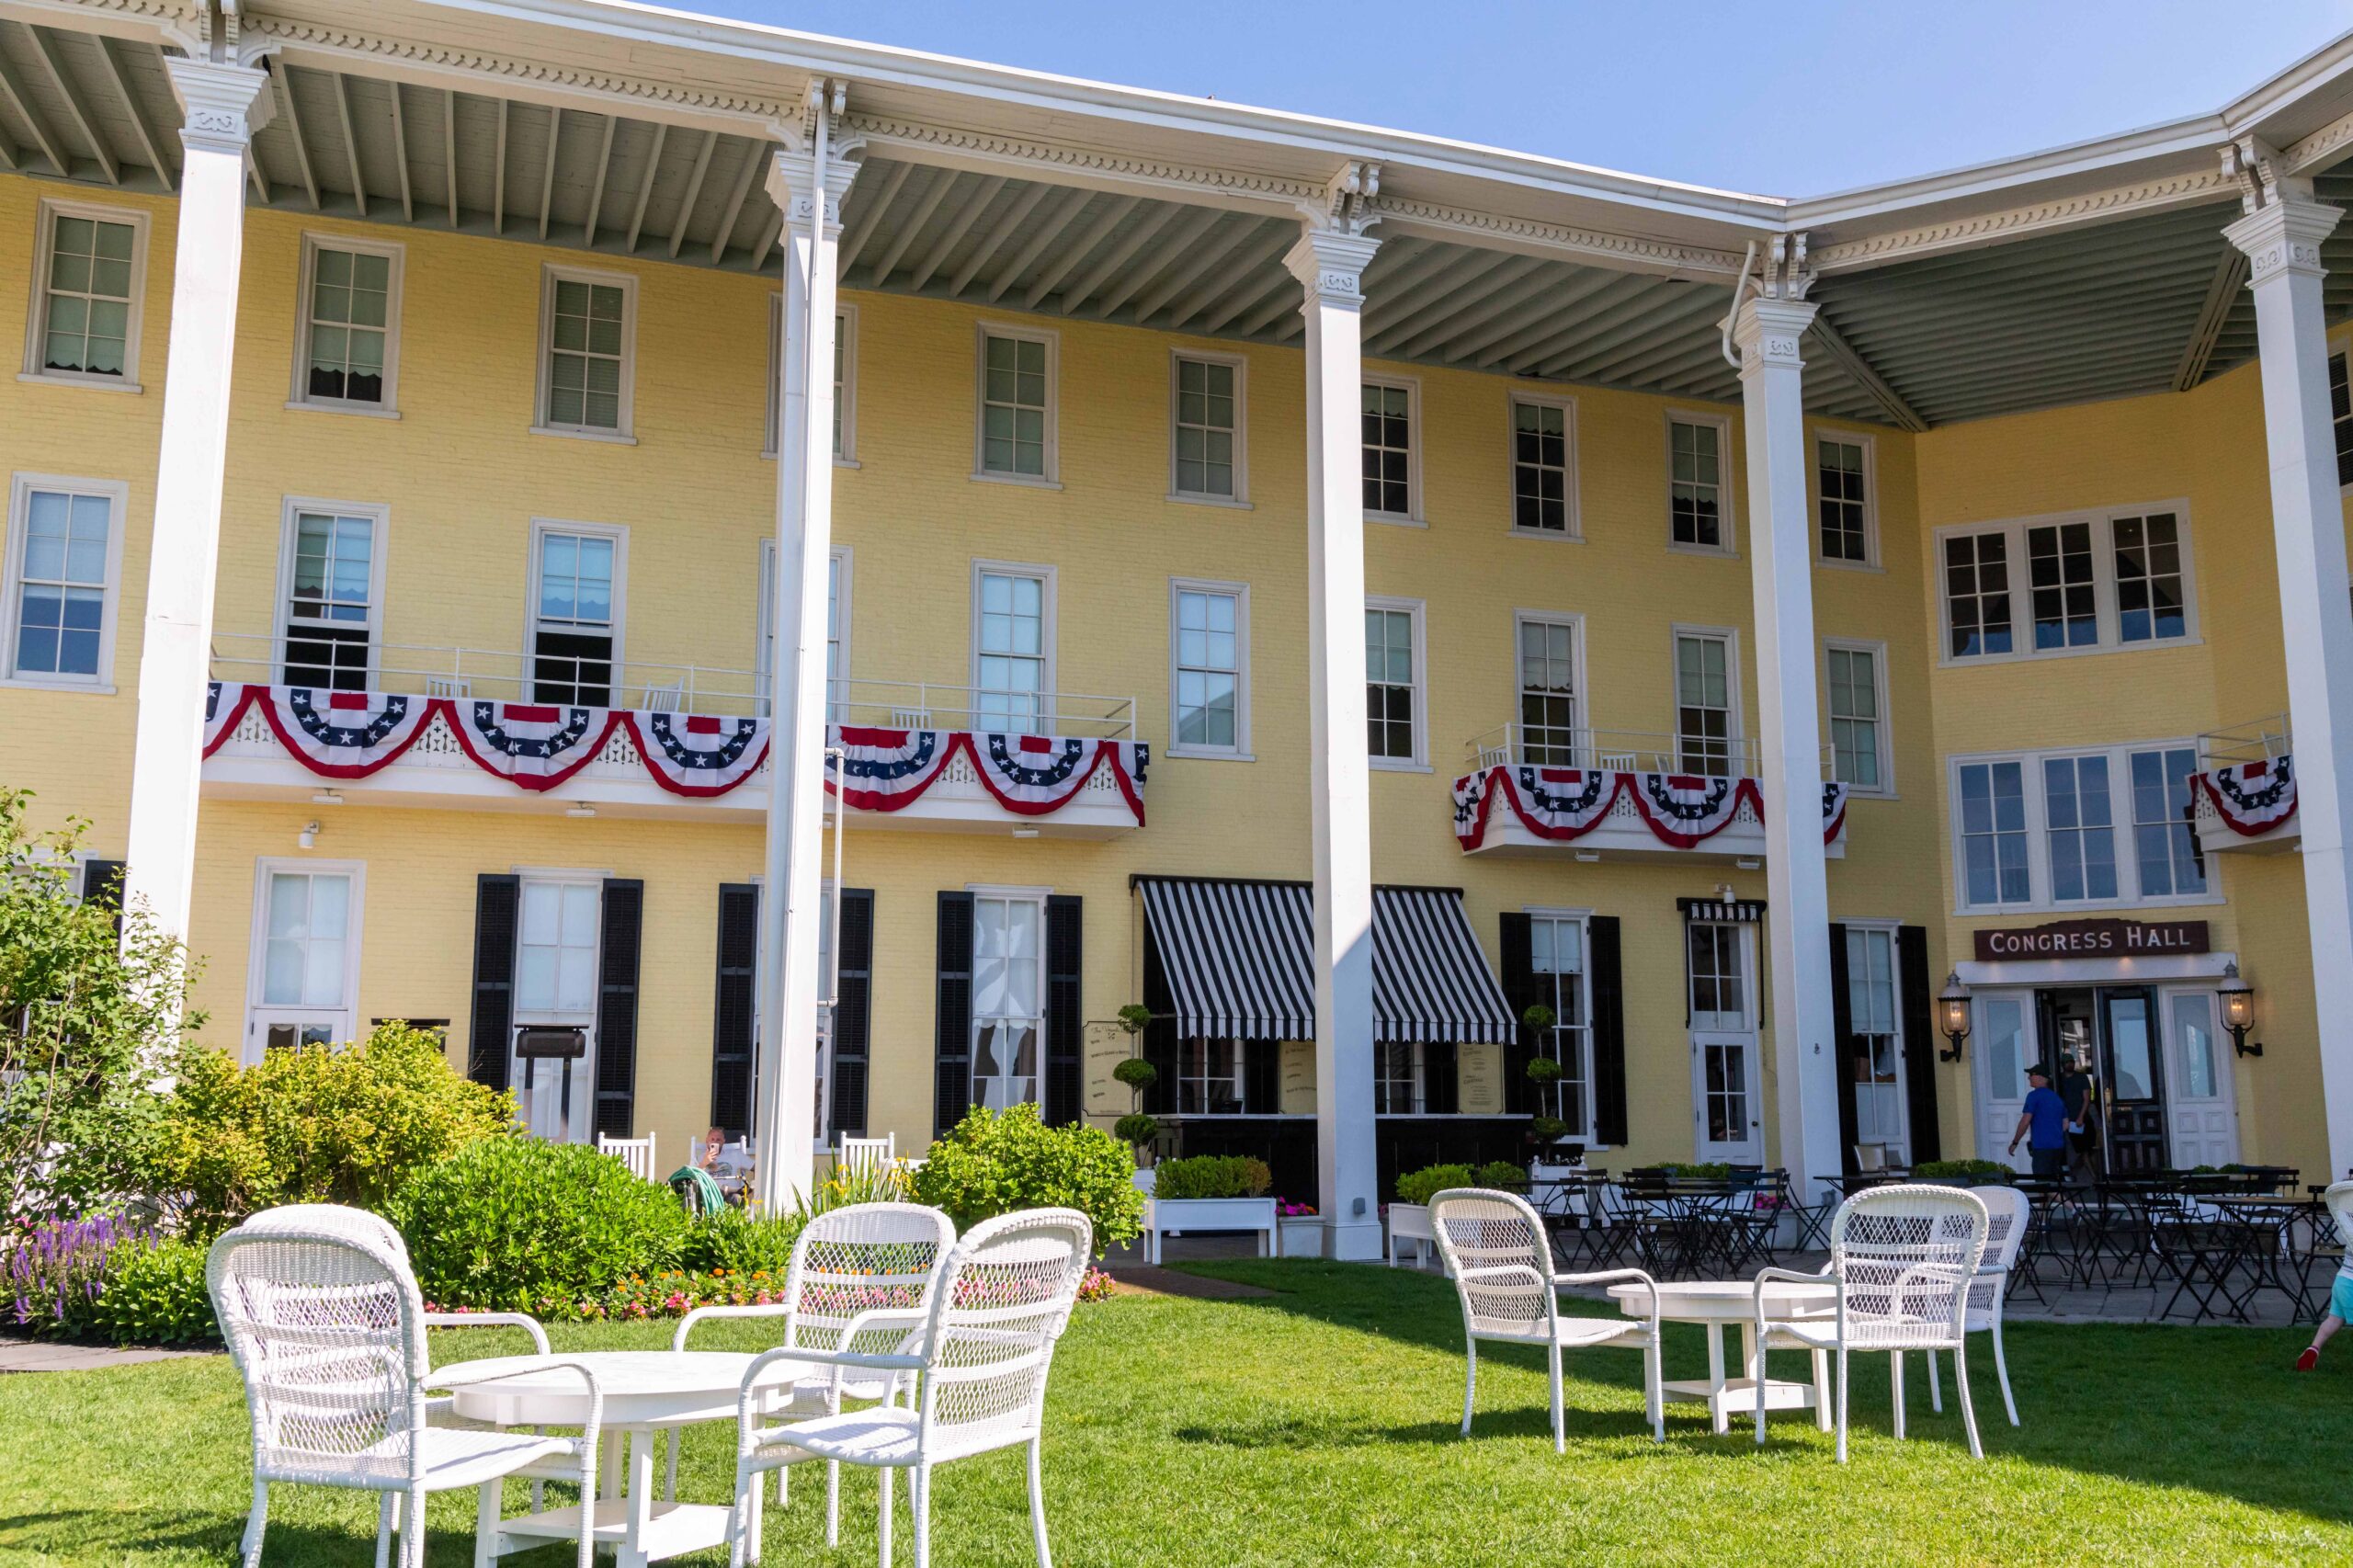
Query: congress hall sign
<point x="2092" y="938"/>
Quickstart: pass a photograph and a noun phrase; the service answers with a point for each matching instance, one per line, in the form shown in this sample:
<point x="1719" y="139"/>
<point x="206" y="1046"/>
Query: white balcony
<point x="2251" y="768"/>
<point x="1600" y="795"/>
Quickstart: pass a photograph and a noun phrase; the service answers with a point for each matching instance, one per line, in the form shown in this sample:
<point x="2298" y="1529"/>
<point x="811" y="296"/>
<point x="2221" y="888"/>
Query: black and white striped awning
<point x="1747" y="910"/>
<point x="1237" y="955"/>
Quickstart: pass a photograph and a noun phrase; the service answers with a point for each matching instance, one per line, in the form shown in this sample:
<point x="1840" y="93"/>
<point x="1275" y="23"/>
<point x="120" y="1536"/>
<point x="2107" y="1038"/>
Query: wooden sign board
<point x="2104" y="938"/>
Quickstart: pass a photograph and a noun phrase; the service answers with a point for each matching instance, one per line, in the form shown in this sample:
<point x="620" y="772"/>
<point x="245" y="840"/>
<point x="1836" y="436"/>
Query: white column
<point x="1797" y="888"/>
<point x="808" y="187"/>
<point x="2282" y="242"/>
<point x="223" y="105"/>
<point x="1331" y="264"/>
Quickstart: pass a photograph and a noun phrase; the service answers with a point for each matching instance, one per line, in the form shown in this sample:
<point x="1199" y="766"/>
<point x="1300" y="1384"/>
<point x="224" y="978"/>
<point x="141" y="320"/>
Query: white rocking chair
<point x="637" y="1153"/>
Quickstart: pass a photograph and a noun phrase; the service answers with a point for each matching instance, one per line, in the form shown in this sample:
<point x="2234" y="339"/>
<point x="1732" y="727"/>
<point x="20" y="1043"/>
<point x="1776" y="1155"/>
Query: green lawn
<point x="1318" y="1426"/>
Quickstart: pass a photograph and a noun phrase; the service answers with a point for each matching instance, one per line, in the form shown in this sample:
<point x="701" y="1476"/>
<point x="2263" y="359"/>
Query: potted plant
<point x="1208" y="1192"/>
<point x="1409" y="1217"/>
<point x="1964" y="1173"/>
<point x="1298" y="1230"/>
<point x="1136" y="1127"/>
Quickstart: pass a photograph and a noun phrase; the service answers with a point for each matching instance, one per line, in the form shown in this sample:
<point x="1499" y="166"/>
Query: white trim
<point x="1583" y="698"/>
<point x="2108" y="637"/>
<point x="1885" y="723"/>
<point x="1021" y="332"/>
<point x="2148" y="968"/>
<point x="379" y="517"/>
<point x="551" y="274"/>
<point x="1869" y="445"/>
<point x="845" y="396"/>
<point x="1240" y="593"/>
<point x="1049" y="577"/>
<point x="1414" y="517"/>
<point x="299" y="394"/>
<point x="1735" y="716"/>
<point x="253" y="1041"/>
<point x="1240" y="364"/>
<point x="1419" y="611"/>
<point x="20" y="489"/>
<point x="619" y="534"/>
<point x="2038" y="900"/>
<point x="1573" y="519"/>
<point x="1727" y="511"/>
<point x="37" y="290"/>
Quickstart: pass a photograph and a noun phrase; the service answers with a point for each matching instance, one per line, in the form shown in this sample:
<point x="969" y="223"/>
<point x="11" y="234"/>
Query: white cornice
<point x="2186" y="190"/>
<point x="184" y="23"/>
<point x="1570" y="245"/>
<point x="1014" y="156"/>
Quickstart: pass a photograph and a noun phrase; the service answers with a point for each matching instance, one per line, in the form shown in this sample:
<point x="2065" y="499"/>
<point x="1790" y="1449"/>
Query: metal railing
<point x="1621" y="750"/>
<point x="925" y="705"/>
<point x="2256" y="740"/>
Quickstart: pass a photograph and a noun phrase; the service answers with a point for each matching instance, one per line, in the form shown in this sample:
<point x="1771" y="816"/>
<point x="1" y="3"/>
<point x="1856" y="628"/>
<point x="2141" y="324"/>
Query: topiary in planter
<point x="1420" y="1187"/>
<point x="1136" y="1128"/>
<point x="1503" y="1174"/>
<point x="1543" y="1070"/>
<point x="1136" y="1073"/>
<point x="1212" y="1176"/>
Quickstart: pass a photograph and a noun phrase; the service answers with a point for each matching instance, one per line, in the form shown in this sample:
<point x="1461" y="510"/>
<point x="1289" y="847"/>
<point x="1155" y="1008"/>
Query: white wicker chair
<point x="2005" y="1218"/>
<point x="1901" y="1257"/>
<point x="325" y="1325"/>
<point x="1495" y="1246"/>
<point x="981" y="1353"/>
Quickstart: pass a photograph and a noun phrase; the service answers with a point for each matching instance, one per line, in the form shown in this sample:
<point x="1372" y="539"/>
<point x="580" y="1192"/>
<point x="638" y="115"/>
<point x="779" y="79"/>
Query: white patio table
<point x="646" y="1391"/>
<point x="1717" y="1304"/>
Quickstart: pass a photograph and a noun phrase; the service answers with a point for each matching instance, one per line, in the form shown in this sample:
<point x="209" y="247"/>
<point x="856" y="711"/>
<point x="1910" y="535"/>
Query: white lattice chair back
<point x="1905" y="1256"/>
<point x="1495" y="1246"/>
<point x="1002" y="1301"/>
<point x="2006" y="1222"/>
<point x="325" y="1325"/>
<point x="865" y="1257"/>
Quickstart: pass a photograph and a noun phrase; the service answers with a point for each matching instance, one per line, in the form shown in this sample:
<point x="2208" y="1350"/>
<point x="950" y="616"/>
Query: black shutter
<point x="1521" y="990"/>
<point x="1609" y="1030"/>
<point x="1064" y="1015"/>
<point x="102" y="885"/>
<point x="1842" y="1048"/>
<point x="1160" y="1038"/>
<point x="1919" y="1042"/>
<point x="734" y="1007"/>
<point x="496" y="900"/>
<point x="855" y="960"/>
<point x="1262" y="1075"/>
<point x="617" y="1007"/>
<point x="952" y="1042"/>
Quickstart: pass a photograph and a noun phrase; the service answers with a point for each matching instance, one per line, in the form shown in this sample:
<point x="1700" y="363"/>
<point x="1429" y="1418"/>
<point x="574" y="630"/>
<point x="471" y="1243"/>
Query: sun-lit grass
<point x="1318" y="1427"/>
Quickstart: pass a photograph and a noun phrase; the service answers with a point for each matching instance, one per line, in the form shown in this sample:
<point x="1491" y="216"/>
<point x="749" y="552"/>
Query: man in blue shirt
<point x="2042" y="1122"/>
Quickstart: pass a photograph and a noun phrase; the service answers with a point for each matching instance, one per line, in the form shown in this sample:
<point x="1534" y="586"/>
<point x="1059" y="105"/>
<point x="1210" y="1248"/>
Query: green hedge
<point x="157" y="1297"/>
<point x="1212" y="1176"/>
<point x="994" y="1163"/>
<point x="1421" y="1186"/>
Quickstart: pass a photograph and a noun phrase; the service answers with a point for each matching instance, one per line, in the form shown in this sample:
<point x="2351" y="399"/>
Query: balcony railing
<point x="2245" y="795"/>
<point x="925" y="705"/>
<point x="2257" y="740"/>
<point x="1617" y="751"/>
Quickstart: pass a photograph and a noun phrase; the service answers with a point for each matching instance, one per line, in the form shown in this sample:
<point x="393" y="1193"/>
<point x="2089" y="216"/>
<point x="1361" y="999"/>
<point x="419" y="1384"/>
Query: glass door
<point x="1728" y="1110"/>
<point x="1009" y="999"/>
<point x="2201" y="1111"/>
<point x="2135" y="1099"/>
<point x="557" y="954"/>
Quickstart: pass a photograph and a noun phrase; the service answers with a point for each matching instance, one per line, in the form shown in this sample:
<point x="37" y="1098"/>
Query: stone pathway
<point x="44" y="1356"/>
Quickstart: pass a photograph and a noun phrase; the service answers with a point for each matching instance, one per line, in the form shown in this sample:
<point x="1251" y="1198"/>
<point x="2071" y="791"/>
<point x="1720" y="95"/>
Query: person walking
<point x="2080" y="1094"/>
<point x="2042" y="1122"/>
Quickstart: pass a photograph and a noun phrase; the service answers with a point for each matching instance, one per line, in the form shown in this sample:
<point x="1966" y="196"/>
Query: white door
<point x="1875" y="1063"/>
<point x="1009" y="998"/>
<point x="556" y="958"/>
<point x="2202" y="1113"/>
<point x="2003" y="1042"/>
<point x="305" y="941"/>
<point x="1727" y="1102"/>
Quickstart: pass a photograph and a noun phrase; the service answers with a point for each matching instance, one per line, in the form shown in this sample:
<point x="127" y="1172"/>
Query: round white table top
<point x="668" y="1387"/>
<point x="1727" y="1300"/>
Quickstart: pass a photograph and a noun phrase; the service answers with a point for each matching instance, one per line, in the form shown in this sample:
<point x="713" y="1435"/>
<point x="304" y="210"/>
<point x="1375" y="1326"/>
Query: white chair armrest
<point x="586" y="1444"/>
<point x="1636" y="1276"/>
<point x="773" y="1310"/>
<point x="491" y="1320"/>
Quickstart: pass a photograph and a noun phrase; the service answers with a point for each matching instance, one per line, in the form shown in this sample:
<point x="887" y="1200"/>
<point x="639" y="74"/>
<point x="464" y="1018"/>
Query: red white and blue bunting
<point x="1685" y="809"/>
<point x="887" y="770"/>
<point x="2254" y="797"/>
<point x="223" y="705"/>
<point x="1682" y="811"/>
<point x="1834" y="811"/>
<point x="529" y="743"/>
<point x="343" y="734"/>
<point x="697" y="754"/>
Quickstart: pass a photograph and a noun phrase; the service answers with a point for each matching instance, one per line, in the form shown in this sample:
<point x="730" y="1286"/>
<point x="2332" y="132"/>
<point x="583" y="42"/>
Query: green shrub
<point x="1212" y="1176"/>
<point x="1136" y="1128"/>
<point x="1543" y="1070"/>
<point x="1707" y="1172"/>
<point x="1420" y="1187"/>
<point x="733" y="1240"/>
<point x="1547" y="1129"/>
<point x="1963" y="1170"/>
<point x="869" y="1181"/>
<point x="157" y="1296"/>
<point x="510" y="1224"/>
<point x="994" y="1163"/>
<point x="1503" y="1174"/>
<point x="314" y="1124"/>
<point x="1136" y="1073"/>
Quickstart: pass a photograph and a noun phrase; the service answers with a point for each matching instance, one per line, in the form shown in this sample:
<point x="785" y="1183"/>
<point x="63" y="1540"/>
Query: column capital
<point x="222" y="105"/>
<point x="2283" y="237"/>
<point x="1767" y="329"/>
<point x="1329" y="264"/>
<point x="791" y="183"/>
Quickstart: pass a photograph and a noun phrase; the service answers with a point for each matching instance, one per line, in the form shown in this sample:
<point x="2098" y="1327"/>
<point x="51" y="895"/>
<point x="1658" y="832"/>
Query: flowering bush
<point x="1097" y="1287"/>
<point x="1290" y="1208"/>
<point x="56" y="1271"/>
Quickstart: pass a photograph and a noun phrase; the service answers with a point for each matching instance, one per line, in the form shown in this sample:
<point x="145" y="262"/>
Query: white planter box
<point x="1411" y="1222"/>
<point x="1301" y="1235"/>
<point x="1175" y="1216"/>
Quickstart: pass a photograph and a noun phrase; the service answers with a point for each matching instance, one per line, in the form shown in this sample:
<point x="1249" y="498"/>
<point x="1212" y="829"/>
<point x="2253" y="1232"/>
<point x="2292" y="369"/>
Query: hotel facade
<point x="488" y="484"/>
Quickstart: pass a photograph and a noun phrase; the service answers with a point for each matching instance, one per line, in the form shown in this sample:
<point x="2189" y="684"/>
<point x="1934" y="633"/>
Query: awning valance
<point x="1237" y="956"/>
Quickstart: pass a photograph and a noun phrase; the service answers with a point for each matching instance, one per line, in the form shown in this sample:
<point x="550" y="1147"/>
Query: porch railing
<point x="1621" y="751"/>
<point x="2256" y="740"/>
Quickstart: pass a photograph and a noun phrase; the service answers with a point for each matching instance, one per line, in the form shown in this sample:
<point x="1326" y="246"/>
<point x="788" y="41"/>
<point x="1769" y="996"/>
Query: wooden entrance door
<point x="2134" y="1081"/>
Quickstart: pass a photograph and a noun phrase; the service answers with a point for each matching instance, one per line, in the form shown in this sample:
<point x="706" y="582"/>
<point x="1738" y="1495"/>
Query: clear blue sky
<point x="1781" y="99"/>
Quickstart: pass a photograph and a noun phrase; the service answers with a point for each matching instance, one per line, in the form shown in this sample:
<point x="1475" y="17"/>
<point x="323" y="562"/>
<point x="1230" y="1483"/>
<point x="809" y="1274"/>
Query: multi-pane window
<point x="1858" y="727"/>
<point x="1548" y="691"/>
<point x="1703" y="729"/>
<point x="330" y="600"/>
<point x="2163" y="840"/>
<point x="1209" y="1077"/>
<point x="1719" y="973"/>
<point x="1993" y="834"/>
<point x="837" y="632"/>
<point x="1557" y="961"/>
<point x="577" y="624"/>
<point x="587" y="369"/>
<point x="1397" y="1077"/>
<point x="1009" y="998"/>
<point x="1977" y="593"/>
<point x="1841" y="480"/>
<point x="2059" y="572"/>
<point x="2340" y="409"/>
<point x="1207" y="430"/>
<point x="303" y="997"/>
<point x="1390" y="682"/>
<point x="1208" y="669"/>
<point x="844" y="387"/>
<point x="555" y="950"/>
<point x="1540" y="467"/>
<point x="1009" y="653"/>
<point x="1695" y="493"/>
<point x="1017" y="391"/>
<point x="347" y="327"/>
<point x="64" y="562"/>
<point x="1388" y="449"/>
<point x="1874" y="1044"/>
<point x="2149" y="601"/>
<point x="2078" y="814"/>
<point x="88" y="311"/>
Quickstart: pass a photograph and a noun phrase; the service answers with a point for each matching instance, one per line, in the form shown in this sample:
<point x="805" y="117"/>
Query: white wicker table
<point x="1717" y="1304"/>
<point x="646" y="1391"/>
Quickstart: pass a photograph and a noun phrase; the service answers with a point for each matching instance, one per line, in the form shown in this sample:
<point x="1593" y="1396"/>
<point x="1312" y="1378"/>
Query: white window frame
<point x="764" y="628"/>
<point x="299" y="392"/>
<point x="2108" y="637"/>
<point x="619" y="534"/>
<point x="2038" y="837"/>
<point x="1414" y="517"/>
<point x="1240" y="364"/>
<point x="1049" y="632"/>
<point x="1583" y="920"/>
<point x="1240" y="593"/>
<point x="257" y="941"/>
<point x="551" y="274"/>
<point x="1877" y="651"/>
<point x="379" y="519"/>
<point x="1575" y="624"/>
<point x="1725" y="509"/>
<point x="844" y="389"/>
<point x="1735" y="715"/>
<point x="1745" y="953"/>
<point x="2133" y="824"/>
<point x="37" y="308"/>
<point x="1572" y="526"/>
<point x="1418" y="1086"/>
<point x="982" y="332"/>
<point x="20" y="491"/>
<point x="1891" y="929"/>
<point x="1418" y="609"/>
<point x="1869" y="445"/>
